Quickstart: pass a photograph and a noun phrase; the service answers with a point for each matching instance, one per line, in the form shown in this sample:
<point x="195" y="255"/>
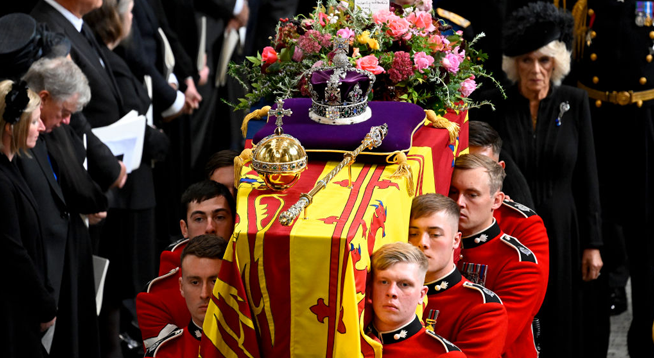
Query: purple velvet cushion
<point x="403" y="119"/>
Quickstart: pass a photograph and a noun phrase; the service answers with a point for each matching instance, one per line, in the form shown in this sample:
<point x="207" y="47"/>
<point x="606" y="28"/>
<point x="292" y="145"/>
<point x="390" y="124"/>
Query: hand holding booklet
<point x="125" y="138"/>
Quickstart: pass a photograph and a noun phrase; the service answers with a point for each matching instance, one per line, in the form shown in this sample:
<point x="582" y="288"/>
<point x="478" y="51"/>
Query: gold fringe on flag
<point x="404" y="170"/>
<point x="580" y="15"/>
<point x="239" y="161"/>
<point x="256" y="114"/>
<point x="441" y="122"/>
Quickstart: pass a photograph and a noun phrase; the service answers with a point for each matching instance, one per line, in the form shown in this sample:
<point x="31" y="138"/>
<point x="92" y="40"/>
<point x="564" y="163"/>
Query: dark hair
<point x="222" y="159"/>
<point x="205" y="190"/>
<point x="106" y="21"/>
<point x="481" y="134"/>
<point x="205" y="246"/>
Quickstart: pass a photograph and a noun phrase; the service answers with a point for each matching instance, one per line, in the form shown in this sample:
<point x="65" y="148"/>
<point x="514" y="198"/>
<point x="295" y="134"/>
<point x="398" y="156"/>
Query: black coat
<point x="67" y="248"/>
<point x="559" y="165"/>
<point x="28" y="299"/>
<point x="106" y="101"/>
<point x="624" y="137"/>
<point x="138" y="192"/>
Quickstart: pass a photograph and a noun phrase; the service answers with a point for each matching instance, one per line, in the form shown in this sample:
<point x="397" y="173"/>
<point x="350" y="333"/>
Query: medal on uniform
<point x="431" y="320"/>
<point x="643" y="13"/>
<point x="475" y="273"/>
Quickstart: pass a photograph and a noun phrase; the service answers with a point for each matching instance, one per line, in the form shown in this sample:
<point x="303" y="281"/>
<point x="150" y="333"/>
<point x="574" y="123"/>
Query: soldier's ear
<point x="183" y="228"/>
<point x="457" y="240"/>
<point x="181" y="291"/>
<point x="498" y="198"/>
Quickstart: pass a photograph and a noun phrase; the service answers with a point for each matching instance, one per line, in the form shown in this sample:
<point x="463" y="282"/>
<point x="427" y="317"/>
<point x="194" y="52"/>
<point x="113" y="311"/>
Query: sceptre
<point x="373" y="139"/>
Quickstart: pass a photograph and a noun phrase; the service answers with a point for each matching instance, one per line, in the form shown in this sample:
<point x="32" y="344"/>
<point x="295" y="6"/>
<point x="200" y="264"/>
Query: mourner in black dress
<point x="546" y="129"/>
<point x="27" y="306"/>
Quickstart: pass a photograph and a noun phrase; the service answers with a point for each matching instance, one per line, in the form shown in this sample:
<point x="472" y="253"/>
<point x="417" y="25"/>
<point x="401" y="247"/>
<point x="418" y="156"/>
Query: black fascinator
<point x="15" y="102"/>
<point x="534" y="26"/>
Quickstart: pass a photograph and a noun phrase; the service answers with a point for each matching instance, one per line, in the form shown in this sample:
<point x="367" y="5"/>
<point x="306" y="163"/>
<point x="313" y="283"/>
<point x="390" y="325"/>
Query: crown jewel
<point x="279" y="158"/>
<point x="339" y="93"/>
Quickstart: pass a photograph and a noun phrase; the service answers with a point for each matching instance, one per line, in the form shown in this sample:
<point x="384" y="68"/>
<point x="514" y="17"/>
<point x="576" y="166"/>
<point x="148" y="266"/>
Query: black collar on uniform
<point x="482" y="237"/>
<point x="400" y="334"/>
<point x="439" y="286"/>
<point x="194" y="330"/>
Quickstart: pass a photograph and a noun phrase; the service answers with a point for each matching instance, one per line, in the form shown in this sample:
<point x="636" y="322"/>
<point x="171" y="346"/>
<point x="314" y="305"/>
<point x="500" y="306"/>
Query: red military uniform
<point x="161" y="309"/>
<point x="501" y="263"/>
<point x="524" y="224"/>
<point x="180" y="343"/>
<point x="469" y="315"/>
<point x="413" y="340"/>
<point x="170" y="258"/>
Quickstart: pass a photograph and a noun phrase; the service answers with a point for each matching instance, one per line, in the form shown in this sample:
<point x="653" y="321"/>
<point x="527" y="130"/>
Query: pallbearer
<point x="398" y="271"/>
<point x="459" y="310"/>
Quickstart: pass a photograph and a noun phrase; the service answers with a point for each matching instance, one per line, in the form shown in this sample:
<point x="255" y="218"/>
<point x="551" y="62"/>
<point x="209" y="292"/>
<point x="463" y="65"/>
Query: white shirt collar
<point x="76" y="21"/>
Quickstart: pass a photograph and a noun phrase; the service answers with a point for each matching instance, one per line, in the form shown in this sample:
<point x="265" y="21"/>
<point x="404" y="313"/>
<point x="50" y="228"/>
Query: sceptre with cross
<point x="279" y="112"/>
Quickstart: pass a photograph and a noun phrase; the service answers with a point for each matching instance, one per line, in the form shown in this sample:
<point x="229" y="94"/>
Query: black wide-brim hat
<point x="534" y="26"/>
<point x="23" y="41"/>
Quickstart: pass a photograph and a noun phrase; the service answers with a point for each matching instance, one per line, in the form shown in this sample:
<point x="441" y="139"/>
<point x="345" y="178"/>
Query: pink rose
<point x="370" y="63"/>
<point x="438" y="43"/>
<point x="345" y="33"/>
<point x="297" y="54"/>
<point x="307" y="23"/>
<point x="422" y="61"/>
<point x="318" y="64"/>
<point x="269" y="56"/>
<point x="468" y="86"/>
<point x="422" y="21"/>
<point x="382" y="16"/>
<point x="452" y="61"/>
<point x="398" y="28"/>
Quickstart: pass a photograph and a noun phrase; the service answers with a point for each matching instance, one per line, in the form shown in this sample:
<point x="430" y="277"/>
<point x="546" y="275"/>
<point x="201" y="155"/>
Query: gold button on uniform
<point x="593" y="56"/>
<point x="649" y="58"/>
<point x="595" y="80"/>
<point x="651" y="35"/>
<point x="598" y="103"/>
<point x="642" y="80"/>
<point x="593" y="34"/>
<point x="591" y="12"/>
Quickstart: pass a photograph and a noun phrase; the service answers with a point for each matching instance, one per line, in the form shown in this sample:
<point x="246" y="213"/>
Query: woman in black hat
<point x="547" y="130"/>
<point x="27" y="305"/>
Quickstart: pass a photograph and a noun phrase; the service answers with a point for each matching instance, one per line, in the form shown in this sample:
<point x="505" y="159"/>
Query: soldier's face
<point x="196" y="284"/>
<point x="212" y="216"/>
<point x="437" y="236"/>
<point x="225" y="176"/>
<point x="470" y="188"/>
<point x="396" y="293"/>
<point x="535" y="71"/>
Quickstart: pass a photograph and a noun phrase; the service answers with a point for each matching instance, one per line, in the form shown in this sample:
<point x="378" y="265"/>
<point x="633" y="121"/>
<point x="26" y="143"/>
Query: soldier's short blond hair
<point x="399" y="252"/>
<point x="495" y="171"/>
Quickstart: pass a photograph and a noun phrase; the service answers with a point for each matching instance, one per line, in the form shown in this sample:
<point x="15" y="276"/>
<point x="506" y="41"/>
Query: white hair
<point x="555" y="49"/>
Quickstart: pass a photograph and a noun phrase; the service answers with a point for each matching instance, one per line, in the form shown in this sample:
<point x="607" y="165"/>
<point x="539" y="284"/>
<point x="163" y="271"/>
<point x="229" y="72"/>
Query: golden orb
<point x="279" y="159"/>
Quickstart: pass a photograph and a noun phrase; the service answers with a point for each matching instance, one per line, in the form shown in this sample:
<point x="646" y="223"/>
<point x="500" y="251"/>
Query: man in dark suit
<point x="63" y="91"/>
<point x="65" y="16"/>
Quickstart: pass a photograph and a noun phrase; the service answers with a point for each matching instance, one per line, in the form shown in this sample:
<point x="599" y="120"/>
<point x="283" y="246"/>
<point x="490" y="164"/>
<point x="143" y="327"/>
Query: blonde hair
<point x="555" y="49"/>
<point x="22" y="126"/>
<point x="428" y="204"/>
<point x="495" y="171"/>
<point x="399" y="252"/>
